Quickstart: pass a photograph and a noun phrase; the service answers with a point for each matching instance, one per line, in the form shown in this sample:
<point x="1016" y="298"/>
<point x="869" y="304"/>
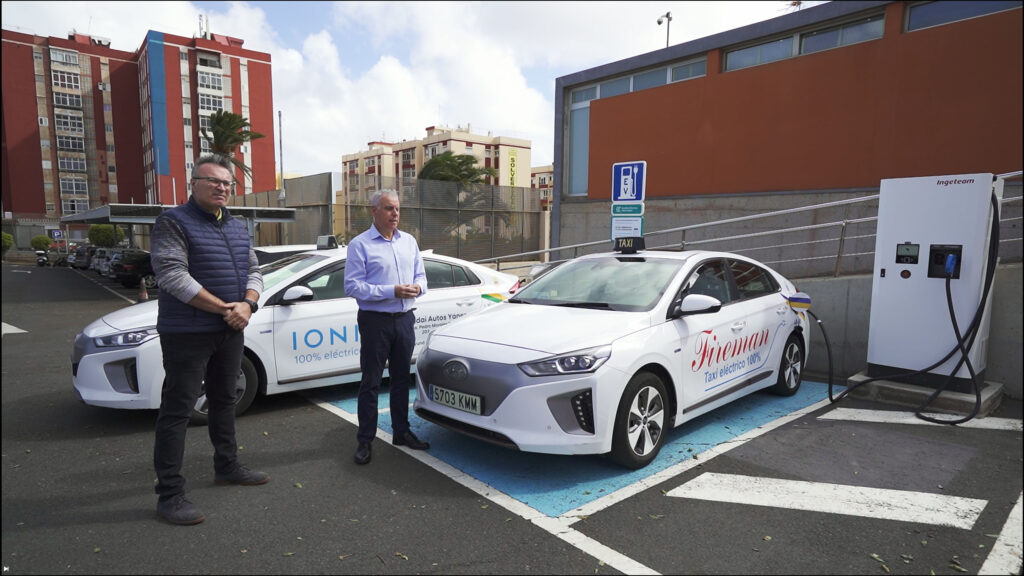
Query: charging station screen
<point x="907" y="253"/>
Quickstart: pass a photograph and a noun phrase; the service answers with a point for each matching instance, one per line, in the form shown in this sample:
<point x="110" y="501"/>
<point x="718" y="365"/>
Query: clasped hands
<point x="407" y="290"/>
<point x="237" y="315"/>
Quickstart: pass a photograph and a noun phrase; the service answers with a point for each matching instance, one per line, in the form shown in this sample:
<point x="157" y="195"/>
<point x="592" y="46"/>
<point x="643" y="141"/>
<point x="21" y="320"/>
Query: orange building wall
<point x="944" y="100"/>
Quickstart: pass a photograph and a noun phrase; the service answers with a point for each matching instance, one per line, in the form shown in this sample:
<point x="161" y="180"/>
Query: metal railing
<point x="854" y="234"/>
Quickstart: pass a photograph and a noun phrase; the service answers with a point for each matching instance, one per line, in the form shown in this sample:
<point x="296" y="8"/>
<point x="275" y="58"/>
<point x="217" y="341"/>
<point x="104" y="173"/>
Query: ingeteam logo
<point x="709" y="352"/>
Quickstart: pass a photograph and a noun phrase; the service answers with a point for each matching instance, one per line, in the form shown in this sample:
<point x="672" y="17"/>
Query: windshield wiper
<point x="595" y="305"/>
<point x="518" y="301"/>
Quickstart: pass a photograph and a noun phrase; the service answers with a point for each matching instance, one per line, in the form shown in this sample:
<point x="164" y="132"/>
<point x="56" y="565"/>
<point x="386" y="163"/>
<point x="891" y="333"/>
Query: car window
<point x="710" y="279"/>
<point x="328" y="284"/>
<point x="439" y="274"/>
<point x="288" y="269"/>
<point x="752" y="280"/>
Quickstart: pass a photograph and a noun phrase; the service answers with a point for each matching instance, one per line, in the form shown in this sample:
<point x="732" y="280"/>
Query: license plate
<point x="458" y="400"/>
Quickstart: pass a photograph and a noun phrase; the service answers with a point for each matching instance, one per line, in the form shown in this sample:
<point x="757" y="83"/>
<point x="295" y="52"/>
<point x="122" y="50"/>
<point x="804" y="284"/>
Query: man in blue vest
<point x="210" y="283"/>
<point x="384" y="273"/>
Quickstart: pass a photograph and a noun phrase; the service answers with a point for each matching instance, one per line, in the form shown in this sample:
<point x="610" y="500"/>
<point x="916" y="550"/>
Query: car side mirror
<point x="694" y="304"/>
<point x="296" y="294"/>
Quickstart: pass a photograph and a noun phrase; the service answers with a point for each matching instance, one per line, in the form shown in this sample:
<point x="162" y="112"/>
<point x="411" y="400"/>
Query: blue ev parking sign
<point x="629" y="181"/>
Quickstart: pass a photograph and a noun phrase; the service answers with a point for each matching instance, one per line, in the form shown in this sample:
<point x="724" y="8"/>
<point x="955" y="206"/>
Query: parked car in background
<point x="134" y="268"/>
<point x="83" y="256"/>
<point x="98" y="258"/>
<point x="304" y="335"/>
<point x="112" y="264"/>
<point x="268" y="254"/>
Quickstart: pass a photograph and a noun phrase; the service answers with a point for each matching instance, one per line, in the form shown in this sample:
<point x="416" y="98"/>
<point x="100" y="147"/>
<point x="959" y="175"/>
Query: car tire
<point x="246" y="388"/>
<point x="640" y="421"/>
<point x="791" y="367"/>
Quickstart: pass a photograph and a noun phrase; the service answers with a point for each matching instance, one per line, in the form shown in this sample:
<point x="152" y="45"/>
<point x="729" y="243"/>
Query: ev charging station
<point x="930" y="229"/>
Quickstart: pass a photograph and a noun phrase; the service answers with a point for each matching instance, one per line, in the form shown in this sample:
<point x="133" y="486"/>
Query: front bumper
<point x="129" y="377"/>
<point x="550" y="414"/>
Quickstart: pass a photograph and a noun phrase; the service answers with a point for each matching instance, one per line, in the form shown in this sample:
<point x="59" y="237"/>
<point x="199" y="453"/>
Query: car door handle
<point x="467" y="302"/>
<point x="781" y="310"/>
<point x="738" y="326"/>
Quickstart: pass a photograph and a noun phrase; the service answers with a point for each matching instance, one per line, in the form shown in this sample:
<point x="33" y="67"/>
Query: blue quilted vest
<point x="218" y="258"/>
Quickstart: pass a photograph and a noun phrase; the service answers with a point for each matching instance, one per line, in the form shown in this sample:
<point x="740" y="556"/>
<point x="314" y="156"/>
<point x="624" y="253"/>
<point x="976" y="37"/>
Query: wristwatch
<point x="253" y="305"/>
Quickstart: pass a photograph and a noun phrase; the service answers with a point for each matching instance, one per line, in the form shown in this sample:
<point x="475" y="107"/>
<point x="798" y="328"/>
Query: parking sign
<point x="629" y="181"/>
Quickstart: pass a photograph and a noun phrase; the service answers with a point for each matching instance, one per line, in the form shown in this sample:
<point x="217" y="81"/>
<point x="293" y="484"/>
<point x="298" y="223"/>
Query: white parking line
<point x="886" y="504"/>
<point x="554" y="526"/>
<point x="673" y="471"/>
<point x="895" y="417"/>
<point x="1007" y="554"/>
<point x="8" y="329"/>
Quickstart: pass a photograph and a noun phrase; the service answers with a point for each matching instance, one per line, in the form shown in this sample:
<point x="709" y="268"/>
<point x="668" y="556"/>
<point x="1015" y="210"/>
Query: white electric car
<point x="606" y="352"/>
<point x="304" y="334"/>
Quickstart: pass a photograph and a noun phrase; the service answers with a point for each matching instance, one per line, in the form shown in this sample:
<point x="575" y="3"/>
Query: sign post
<point x="629" y="188"/>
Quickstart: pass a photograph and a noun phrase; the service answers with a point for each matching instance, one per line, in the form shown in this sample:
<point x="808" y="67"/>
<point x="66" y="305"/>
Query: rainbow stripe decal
<point x="497" y="298"/>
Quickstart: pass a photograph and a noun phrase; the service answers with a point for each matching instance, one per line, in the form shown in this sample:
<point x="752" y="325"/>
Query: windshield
<point x="285" y="269"/>
<point x="632" y="284"/>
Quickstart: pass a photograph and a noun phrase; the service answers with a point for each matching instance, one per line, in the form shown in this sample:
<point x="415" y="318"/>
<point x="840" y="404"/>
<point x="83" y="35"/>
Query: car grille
<point x="467" y="429"/>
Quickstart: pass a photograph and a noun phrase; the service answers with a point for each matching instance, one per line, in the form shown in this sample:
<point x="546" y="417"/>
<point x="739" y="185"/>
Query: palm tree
<point x="468" y="177"/>
<point x="451" y="168"/>
<point x="227" y="131"/>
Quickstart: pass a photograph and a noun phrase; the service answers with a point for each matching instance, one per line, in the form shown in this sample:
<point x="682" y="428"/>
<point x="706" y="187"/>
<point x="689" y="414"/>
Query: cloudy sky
<point x="347" y="73"/>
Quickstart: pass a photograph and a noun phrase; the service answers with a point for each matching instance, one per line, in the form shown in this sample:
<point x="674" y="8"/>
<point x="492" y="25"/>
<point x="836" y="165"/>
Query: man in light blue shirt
<point x="384" y="273"/>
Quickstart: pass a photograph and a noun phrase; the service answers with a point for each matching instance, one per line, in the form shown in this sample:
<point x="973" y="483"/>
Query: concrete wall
<point x="844" y="306"/>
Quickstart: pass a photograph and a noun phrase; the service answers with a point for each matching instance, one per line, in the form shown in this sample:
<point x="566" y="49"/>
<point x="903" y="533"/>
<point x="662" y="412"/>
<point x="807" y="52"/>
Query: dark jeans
<point x="385" y="338"/>
<point x="189" y="359"/>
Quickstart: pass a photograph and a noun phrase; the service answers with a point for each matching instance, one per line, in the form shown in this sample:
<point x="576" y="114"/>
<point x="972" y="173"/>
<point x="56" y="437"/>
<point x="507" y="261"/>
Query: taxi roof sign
<point x="629" y="244"/>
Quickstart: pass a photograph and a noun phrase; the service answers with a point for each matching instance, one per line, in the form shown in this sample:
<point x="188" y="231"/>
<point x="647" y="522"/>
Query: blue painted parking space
<point x="555" y="484"/>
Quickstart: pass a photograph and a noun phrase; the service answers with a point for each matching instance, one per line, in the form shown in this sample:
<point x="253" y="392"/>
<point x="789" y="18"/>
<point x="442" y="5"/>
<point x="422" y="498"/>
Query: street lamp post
<point x="667" y="19"/>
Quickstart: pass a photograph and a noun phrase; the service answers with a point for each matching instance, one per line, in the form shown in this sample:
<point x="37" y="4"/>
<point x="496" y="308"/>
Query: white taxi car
<point x="604" y="353"/>
<point x="304" y="334"/>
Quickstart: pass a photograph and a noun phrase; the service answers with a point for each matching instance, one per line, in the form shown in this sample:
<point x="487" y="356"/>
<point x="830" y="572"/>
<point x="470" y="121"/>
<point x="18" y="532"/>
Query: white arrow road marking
<point x="881" y="503"/>
<point x="8" y="329"/>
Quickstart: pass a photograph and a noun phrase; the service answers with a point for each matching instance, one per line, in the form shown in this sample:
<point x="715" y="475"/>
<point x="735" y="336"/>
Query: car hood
<point x="141" y="315"/>
<point x="546" y="329"/>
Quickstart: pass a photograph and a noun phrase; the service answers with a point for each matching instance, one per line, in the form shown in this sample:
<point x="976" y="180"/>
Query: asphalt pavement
<point x="78" y="485"/>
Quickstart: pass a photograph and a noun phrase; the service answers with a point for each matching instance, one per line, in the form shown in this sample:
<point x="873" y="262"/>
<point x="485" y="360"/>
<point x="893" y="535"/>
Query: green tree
<point x="227" y="132"/>
<point x="8" y="241"/>
<point x="469" y="191"/>
<point x="451" y="168"/>
<point x="41" y="242"/>
<point x="105" y="235"/>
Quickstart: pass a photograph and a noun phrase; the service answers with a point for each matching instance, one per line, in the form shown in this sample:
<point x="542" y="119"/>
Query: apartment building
<point x="392" y="162"/>
<point x="543" y="179"/>
<point x="85" y="125"/>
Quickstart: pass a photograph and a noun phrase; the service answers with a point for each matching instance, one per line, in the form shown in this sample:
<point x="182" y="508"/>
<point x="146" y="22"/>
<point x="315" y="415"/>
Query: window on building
<point x="759" y="54"/>
<point x="210" y="102"/>
<point x="852" y="33"/>
<point x="691" y="70"/>
<point x="584" y="94"/>
<point x="187" y="121"/>
<point x="211" y="81"/>
<point x="579" y="150"/>
<point x="66" y="79"/>
<point x="111" y="168"/>
<point x="71" y="205"/>
<point x="615" y="87"/>
<point x="186" y="102"/>
<point x="209" y="60"/>
<point x="204" y="145"/>
<point x="70" y="143"/>
<point x="183" y="55"/>
<point x="67" y="100"/>
<point x="650" y="79"/>
<point x="63" y="56"/>
<point x="935" y="13"/>
<point x="71" y="164"/>
<point x="204" y="122"/>
<point x="71" y="185"/>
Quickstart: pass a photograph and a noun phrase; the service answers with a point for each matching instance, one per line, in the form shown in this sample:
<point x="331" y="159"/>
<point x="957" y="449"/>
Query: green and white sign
<point x="627" y="209"/>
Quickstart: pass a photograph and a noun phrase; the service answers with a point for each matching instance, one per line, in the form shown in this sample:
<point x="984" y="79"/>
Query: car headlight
<point x="130" y="338"/>
<point x="579" y="362"/>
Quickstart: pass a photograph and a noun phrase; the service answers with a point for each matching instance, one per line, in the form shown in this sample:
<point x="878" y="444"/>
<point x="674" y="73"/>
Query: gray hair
<point x="218" y="159"/>
<point x="375" y="199"/>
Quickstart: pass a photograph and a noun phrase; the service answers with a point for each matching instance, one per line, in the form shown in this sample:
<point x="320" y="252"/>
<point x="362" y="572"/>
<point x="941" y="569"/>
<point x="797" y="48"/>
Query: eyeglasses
<point x="217" y="182"/>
